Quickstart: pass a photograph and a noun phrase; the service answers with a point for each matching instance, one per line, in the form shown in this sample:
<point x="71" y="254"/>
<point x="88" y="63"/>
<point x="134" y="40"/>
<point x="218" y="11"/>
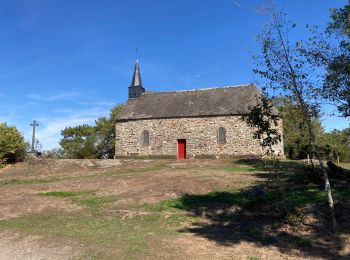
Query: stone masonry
<point x="201" y="135"/>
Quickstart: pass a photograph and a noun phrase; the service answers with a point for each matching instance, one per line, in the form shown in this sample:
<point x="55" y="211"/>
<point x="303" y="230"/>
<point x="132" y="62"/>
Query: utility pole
<point x="34" y="124"/>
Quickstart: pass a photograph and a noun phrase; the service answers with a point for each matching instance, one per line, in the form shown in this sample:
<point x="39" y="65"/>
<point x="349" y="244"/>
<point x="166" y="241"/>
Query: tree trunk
<point x="324" y="172"/>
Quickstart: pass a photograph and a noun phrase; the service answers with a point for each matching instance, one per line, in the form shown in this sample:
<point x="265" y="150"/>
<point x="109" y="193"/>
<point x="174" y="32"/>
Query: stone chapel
<point x="187" y="124"/>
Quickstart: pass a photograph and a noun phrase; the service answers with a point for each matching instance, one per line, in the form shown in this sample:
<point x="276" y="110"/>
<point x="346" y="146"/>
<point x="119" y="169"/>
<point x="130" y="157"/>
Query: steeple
<point x="136" y="89"/>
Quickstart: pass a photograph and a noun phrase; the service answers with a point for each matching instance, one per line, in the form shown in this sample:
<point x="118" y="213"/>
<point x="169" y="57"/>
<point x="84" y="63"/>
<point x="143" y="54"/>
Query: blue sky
<point x="65" y="63"/>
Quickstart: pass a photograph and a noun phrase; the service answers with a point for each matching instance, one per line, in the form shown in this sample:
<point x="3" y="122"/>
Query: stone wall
<point x="200" y="134"/>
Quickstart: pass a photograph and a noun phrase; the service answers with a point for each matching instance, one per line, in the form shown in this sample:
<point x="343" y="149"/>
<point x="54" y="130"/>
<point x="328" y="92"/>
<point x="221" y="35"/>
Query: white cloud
<point x="49" y="135"/>
<point x="49" y="130"/>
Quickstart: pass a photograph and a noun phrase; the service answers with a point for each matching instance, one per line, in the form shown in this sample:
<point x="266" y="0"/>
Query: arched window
<point x="221" y="135"/>
<point x="145" y="138"/>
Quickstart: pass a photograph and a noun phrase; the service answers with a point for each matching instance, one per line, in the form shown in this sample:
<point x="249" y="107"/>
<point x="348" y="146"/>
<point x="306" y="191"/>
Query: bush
<point x="12" y="144"/>
<point x="55" y="153"/>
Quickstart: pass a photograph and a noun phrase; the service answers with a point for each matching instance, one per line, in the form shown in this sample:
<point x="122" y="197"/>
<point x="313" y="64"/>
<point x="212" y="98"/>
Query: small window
<point x="221" y="135"/>
<point x="145" y="138"/>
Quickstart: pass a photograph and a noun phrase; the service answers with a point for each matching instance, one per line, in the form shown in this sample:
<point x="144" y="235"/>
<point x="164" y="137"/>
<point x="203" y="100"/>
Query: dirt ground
<point x="116" y="199"/>
<point x="145" y="185"/>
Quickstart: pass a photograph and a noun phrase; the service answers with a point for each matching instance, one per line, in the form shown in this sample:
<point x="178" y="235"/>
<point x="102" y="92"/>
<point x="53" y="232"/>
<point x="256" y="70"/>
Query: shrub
<point x="12" y="144"/>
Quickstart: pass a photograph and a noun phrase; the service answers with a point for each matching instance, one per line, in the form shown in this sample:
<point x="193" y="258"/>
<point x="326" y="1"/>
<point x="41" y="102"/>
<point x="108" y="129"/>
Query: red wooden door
<point x="181" y="149"/>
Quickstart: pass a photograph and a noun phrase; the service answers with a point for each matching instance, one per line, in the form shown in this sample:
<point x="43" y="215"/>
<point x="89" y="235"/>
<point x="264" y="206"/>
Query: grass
<point x="114" y="174"/>
<point x="95" y="201"/>
<point x="260" y="235"/>
<point x="253" y="258"/>
<point x="65" y="194"/>
<point x="108" y="235"/>
<point x="82" y="198"/>
<point x="12" y="182"/>
<point x="252" y="165"/>
<point x="135" y="237"/>
<point x="300" y="198"/>
<point x="239" y="198"/>
<point x="241" y="168"/>
<point x="341" y="194"/>
<point x="132" y="171"/>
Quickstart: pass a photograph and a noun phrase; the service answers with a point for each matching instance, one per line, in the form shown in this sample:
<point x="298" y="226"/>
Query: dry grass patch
<point x="166" y="209"/>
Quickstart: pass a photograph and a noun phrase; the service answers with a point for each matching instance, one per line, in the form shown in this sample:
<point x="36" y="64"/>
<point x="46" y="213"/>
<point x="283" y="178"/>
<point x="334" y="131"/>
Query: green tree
<point x="86" y="141"/>
<point x="337" y="145"/>
<point x="79" y="142"/>
<point x="285" y="69"/>
<point x="336" y="85"/>
<point x="105" y="134"/>
<point x="330" y="51"/>
<point x="264" y="118"/>
<point x="12" y="144"/>
<point x="340" y="20"/>
<point x="296" y="138"/>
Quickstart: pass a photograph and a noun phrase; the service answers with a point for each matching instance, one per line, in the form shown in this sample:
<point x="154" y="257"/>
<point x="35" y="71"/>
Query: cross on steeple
<point x="34" y="124"/>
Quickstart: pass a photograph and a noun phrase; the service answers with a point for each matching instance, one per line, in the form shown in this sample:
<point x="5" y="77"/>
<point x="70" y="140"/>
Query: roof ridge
<point x="199" y="89"/>
<point x="209" y="88"/>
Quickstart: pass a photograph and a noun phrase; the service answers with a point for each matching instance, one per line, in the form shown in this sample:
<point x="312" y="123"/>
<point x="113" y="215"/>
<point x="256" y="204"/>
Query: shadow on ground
<point x="290" y="213"/>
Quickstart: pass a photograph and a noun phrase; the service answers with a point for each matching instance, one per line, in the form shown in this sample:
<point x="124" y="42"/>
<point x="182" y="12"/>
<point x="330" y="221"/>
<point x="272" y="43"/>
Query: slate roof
<point x="232" y="100"/>
<point x="136" y="77"/>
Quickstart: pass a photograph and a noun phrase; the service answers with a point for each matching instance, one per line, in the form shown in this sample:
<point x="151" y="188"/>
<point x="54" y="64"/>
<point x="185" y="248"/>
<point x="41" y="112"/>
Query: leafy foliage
<point x="12" y="144"/>
<point x="264" y="118"/>
<point x="337" y="80"/>
<point x="55" y="153"/>
<point x="337" y="143"/>
<point x="79" y="142"/>
<point x="90" y="142"/>
<point x="105" y="134"/>
<point x="340" y="20"/>
<point x="330" y="52"/>
<point x="296" y="138"/>
<point x="286" y="69"/>
<point x="295" y="134"/>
